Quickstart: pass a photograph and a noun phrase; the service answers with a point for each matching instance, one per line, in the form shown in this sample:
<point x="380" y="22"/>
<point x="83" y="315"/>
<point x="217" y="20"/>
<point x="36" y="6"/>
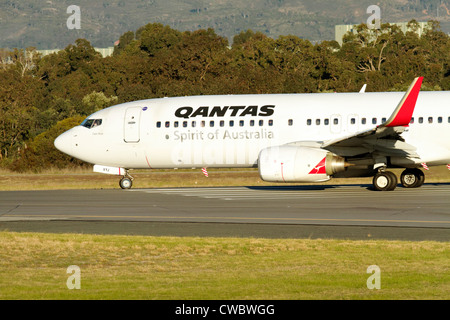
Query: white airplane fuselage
<point x="231" y="130"/>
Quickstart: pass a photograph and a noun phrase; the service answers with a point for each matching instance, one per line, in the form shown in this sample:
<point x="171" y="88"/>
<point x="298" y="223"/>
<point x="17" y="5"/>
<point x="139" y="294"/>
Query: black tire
<point x="394" y="181"/>
<point x="385" y="181"/>
<point x="125" y="183"/>
<point x="421" y="178"/>
<point x="412" y="178"/>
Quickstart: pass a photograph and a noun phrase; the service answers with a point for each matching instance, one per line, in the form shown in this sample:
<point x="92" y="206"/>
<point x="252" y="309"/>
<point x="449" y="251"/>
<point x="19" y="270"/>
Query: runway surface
<point x="303" y="211"/>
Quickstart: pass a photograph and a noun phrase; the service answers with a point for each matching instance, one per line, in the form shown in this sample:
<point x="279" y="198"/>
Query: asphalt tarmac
<point x="331" y="211"/>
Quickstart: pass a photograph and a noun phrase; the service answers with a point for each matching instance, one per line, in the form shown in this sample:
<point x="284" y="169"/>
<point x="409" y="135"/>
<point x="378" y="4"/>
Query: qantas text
<point x="232" y="111"/>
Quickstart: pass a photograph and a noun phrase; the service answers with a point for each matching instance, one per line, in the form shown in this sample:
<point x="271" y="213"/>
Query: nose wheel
<point x="126" y="182"/>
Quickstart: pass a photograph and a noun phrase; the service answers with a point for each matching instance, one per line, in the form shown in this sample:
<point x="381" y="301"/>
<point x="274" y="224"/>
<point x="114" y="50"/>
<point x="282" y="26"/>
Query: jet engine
<point x="298" y="164"/>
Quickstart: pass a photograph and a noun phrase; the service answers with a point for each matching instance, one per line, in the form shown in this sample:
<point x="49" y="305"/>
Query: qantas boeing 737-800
<point x="289" y="137"/>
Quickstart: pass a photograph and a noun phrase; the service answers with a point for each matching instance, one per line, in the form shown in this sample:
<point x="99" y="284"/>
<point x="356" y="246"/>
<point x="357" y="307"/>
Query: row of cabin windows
<point x="374" y="121"/>
<point x="430" y="120"/>
<point x="211" y="123"/>
<point x="309" y="122"/>
<point x="326" y="121"/>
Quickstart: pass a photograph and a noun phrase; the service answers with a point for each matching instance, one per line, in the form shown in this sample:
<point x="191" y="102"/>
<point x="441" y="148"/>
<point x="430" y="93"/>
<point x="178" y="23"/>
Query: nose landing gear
<point x="127" y="181"/>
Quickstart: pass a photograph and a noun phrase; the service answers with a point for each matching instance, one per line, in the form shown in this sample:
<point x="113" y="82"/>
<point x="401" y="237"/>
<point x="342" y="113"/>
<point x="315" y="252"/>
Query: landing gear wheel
<point x="125" y="183"/>
<point x="394" y="180"/>
<point x="385" y="181"/>
<point x="412" y="178"/>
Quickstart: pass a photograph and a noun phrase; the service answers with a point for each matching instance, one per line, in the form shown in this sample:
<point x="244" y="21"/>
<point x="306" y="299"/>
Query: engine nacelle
<point x="298" y="164"/>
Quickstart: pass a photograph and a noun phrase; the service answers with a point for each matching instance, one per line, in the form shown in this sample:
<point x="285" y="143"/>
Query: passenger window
<point x="290" y="122"/>
<point x="211" y="123"/>
<point x="261" y="123"/>
<point x="421" y="120"/>
<point x="231" y="123"/>
<point x="308" y="122"/>
<point x="383" y="120"/>
<point x="317" y="122"/>
<point x="175" y="124"/>
<point x="363" y="120"/>
<point x="158" y="124"/>
<point x="270" y="123"/>
<point x="412" y="120"/>
<point x="374" y="120"/>
<point x="336" y="121"/>
<point x="353" y="121"/>
<point x="167" y="124"/>
<point x="252" y="123"/>
<point x="430" y="119"/>
<point x="222" y="123"/>
<point x="440" y="119"/>
<point x="326" y="122"/>
<point x="185" y="124"/>
<point x="193" y="124"/>
<point x="202" y="123"/>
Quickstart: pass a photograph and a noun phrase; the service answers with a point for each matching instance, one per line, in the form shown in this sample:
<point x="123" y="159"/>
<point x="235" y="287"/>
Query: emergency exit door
<point x="132" y="125"/>
<point x="336" y="123"/>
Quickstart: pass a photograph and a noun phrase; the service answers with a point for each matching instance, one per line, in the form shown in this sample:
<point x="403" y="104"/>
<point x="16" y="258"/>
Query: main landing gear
<point x="127" y="181"/>
<point x="412" y="178"/>
<point x="387" y="181"/>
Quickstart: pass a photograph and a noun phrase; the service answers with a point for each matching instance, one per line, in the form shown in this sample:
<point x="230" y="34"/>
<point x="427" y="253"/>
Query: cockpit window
<point x="91" y="123"/>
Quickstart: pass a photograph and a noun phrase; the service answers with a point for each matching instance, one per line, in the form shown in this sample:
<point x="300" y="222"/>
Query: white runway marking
<point x="283" y="193"/>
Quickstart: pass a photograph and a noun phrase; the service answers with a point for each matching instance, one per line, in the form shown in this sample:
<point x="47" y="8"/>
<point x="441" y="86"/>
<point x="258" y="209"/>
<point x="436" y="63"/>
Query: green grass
<point x="33" y="266"/>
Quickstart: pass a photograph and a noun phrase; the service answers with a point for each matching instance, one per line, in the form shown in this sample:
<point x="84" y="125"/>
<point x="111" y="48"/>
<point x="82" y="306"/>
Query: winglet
<point x="404" y="111"/>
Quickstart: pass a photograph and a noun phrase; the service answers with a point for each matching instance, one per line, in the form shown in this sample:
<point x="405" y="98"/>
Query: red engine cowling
<point x="298" y="164"/>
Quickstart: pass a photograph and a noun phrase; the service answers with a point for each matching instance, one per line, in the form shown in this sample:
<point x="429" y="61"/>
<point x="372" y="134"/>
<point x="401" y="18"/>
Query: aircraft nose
<point x="64" y="143"/>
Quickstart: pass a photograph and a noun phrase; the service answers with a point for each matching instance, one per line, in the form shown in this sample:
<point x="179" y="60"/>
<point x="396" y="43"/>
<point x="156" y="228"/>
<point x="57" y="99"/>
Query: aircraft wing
<point x="384" y="139"/>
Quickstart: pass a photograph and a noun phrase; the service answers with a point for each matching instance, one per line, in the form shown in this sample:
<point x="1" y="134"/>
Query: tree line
<point x="40" y="97"/>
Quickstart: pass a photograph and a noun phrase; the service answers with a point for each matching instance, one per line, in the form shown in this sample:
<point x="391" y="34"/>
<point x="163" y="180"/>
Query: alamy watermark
<point x="74" y="21"/>
<point x="74" y="280"/>
<point x="374" y="281"/>
<point x="374" y="21"/>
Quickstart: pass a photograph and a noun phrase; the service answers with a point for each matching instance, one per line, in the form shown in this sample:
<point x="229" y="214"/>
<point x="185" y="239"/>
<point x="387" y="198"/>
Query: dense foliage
<point x="37" y="93"/>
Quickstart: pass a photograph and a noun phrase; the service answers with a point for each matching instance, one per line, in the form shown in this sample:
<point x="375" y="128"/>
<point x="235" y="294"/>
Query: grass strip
<point x="34" y="266"/>
<point x="86" y="179"/>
